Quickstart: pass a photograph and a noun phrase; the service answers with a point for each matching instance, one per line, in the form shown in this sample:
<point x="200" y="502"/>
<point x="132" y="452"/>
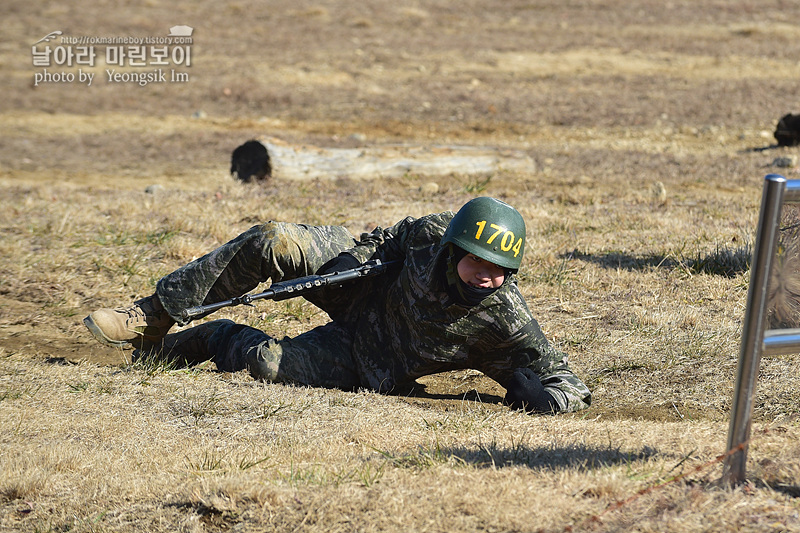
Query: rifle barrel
<point x="284" y="290"/>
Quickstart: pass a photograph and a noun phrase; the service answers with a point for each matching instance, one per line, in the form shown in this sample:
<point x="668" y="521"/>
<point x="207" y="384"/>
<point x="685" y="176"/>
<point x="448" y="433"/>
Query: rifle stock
<point x="283" y="290"/>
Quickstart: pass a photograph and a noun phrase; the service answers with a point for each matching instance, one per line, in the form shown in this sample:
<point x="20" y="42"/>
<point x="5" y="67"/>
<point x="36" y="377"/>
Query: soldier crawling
<point x="453" y="304"/>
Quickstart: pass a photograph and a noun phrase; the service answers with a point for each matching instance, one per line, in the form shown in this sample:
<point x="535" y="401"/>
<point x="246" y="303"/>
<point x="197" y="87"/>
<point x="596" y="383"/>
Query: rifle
<point x="283" y="290"/>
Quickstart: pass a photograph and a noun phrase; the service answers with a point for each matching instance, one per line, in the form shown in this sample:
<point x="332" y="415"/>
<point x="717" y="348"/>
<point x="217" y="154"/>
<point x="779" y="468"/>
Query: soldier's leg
<point x="273" y="251"/>
<point x="270" y="251"/>
<point x="320" y="357"/>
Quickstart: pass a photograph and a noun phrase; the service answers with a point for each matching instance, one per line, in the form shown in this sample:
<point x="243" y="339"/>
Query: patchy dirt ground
<point x="605" y="96"/>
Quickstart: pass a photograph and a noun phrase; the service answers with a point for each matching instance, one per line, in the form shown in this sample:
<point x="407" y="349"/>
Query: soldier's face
<point x="479" y="273"/>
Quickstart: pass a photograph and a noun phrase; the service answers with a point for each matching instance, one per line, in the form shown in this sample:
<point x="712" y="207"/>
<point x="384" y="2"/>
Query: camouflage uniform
<point x="385" y="331"/>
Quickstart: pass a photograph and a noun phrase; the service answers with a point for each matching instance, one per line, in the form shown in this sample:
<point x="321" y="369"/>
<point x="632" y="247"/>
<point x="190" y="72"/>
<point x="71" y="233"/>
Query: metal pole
<point x="753" y="330"/>
<point x="781" y="341"/>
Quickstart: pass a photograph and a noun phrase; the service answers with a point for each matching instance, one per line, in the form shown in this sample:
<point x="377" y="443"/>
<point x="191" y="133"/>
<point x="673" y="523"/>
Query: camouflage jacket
<point x="412" y="327"/>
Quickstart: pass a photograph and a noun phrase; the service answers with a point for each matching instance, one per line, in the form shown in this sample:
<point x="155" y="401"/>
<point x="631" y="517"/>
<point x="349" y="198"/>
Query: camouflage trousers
<point x="272" y="251"/>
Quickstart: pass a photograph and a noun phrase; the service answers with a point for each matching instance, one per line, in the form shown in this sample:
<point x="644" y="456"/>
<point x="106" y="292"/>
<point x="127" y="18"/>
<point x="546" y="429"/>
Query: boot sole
<point x="98" y="334"/>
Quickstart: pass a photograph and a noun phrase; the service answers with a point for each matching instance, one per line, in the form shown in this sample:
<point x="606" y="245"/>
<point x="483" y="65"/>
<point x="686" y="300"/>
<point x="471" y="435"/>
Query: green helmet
<point x="489" y="229"/>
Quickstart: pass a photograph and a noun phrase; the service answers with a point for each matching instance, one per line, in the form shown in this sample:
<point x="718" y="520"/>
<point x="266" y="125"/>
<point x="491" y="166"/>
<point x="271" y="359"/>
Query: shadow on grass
<point x="757" y="149"/>
<point x="419" y="391"/>
<point x="491" y="455"/>
<point x="723" y="261"/>
<point x="793" y="491"/>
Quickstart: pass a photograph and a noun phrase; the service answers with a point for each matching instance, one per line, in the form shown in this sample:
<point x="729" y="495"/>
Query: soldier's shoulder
<point x="433" y="225"/>
<point x="437" y="218"/>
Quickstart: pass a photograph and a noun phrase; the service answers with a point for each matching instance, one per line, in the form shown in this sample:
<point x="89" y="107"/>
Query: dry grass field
<point x="650" y="124"/>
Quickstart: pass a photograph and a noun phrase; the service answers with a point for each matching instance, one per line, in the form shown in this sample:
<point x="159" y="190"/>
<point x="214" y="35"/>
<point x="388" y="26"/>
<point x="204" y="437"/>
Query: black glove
<point x="341" y="262"/>
<point x="525" y="391"/>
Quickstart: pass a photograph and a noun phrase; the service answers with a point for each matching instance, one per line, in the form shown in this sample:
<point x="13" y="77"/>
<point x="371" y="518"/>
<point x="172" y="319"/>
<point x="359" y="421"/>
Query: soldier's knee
<point x="227" y="344"/>
<point x="285" y="243"/>
<point x="271" y="228"/>
<point x="275" y="233"/>
<point x="263" y="360"/>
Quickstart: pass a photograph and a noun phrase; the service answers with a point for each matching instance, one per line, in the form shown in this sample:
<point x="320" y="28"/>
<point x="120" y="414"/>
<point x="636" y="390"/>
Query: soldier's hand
<point x="525" y="391"/>
<point x="340" y="263"/>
